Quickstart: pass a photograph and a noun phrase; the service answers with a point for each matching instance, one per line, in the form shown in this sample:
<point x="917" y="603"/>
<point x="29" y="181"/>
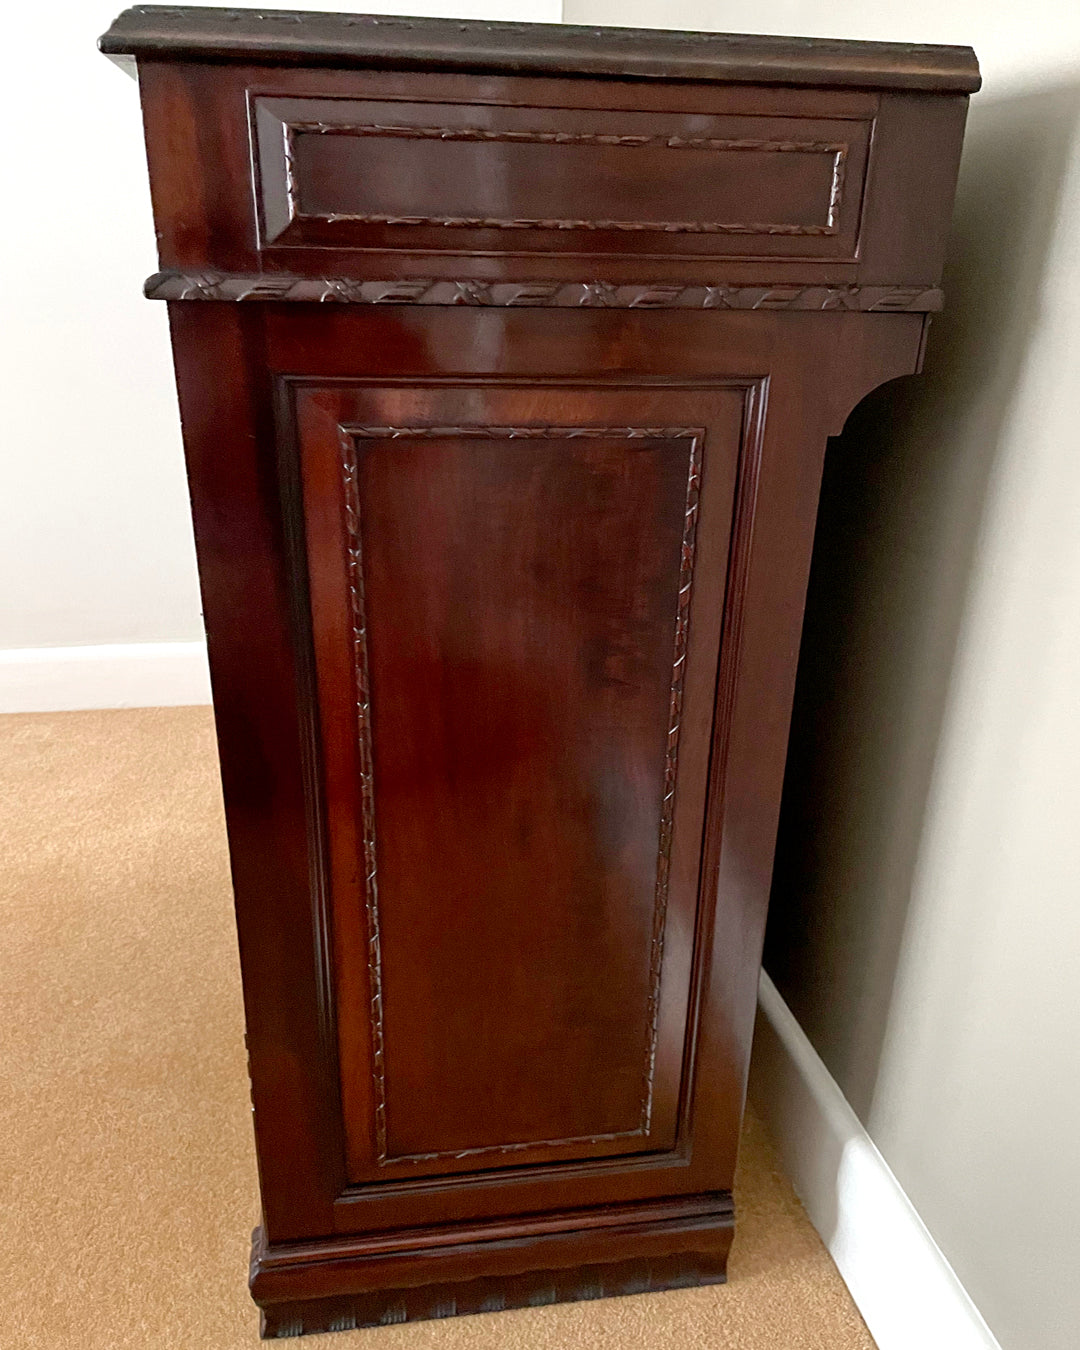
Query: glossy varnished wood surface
<point x="225" y="211"/>
<point x="529" y="581"/>
<point x="371" y="173"/>
<point x="258" y="614"/>
<point x="503" y="557"/>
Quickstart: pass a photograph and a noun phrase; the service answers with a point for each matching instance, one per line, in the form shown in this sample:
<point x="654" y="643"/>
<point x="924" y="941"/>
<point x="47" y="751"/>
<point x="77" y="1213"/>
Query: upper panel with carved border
<point x="346" y="173"/>
<point x="384" y="177"/>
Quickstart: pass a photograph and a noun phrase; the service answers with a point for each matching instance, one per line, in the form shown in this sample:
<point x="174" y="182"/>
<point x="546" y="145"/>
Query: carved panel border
<point x="838" y="150"/>
<point x="279" y="286"/>
<point x="350" y="436"/>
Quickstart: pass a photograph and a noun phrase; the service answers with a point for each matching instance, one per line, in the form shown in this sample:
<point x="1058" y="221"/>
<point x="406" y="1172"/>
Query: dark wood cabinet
<point x="507" y="356"/>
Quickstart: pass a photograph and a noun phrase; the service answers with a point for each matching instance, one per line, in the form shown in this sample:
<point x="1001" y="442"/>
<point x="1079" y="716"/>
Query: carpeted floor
<point x="126" y="1163"/>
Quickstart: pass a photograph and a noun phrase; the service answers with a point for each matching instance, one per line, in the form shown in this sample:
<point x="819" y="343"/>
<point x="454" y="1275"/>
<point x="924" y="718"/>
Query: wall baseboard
<point x="908" y="1294"/>
<point x="118" y="675"/>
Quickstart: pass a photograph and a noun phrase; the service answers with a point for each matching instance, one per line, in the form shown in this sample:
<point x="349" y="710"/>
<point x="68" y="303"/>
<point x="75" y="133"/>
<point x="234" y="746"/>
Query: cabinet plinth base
<point x="331" y="1286"/>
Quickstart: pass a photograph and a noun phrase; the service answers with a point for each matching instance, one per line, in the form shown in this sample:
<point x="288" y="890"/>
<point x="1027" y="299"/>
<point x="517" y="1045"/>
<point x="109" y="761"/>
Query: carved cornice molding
<point x="368" y="40"/>
<point x="276" y="287"/>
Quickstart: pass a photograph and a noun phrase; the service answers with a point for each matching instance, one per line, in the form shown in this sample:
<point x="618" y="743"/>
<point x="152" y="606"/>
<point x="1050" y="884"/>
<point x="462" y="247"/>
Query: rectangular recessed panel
<point x="516" y="599"/>
<point x="522" y="599"/>
<point x="626" y="183"/>
<point x="376" y="174"/>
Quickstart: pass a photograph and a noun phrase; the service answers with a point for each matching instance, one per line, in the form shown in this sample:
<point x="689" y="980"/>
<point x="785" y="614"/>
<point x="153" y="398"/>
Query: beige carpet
<point x="125" y="1149"/>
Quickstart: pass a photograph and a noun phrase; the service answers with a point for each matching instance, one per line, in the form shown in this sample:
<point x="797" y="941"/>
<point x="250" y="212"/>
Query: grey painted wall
<point x="925" y="925"/>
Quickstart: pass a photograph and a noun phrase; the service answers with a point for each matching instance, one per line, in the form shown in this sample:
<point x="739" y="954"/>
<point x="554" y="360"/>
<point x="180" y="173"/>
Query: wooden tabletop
<point x="282" y="36"/>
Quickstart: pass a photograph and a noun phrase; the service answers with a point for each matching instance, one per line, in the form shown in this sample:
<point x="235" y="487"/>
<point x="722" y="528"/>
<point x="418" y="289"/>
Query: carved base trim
<point x="386" y="1307"/>
<point x="231" y="287"/>
<point x="334" y="1285"/>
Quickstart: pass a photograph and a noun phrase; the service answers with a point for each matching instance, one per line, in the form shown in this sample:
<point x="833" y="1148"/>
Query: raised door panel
<point x="516" y="597"/>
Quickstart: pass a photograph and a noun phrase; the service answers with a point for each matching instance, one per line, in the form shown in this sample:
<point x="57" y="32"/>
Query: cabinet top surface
<point x="282" y="36"/>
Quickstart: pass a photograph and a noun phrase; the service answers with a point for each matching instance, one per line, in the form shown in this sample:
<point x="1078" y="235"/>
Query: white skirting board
<point x="907" y="1292"/>
<point x="117" y="675"/>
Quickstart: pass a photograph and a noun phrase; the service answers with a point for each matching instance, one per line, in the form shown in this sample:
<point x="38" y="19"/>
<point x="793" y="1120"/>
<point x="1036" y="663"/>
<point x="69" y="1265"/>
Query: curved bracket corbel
<point x="871" y="350"/>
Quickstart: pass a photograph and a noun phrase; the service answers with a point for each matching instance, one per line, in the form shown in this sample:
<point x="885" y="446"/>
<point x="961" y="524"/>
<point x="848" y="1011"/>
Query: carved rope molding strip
<point x="838" y="150"/>
<point x="176" y="285"/>
<point x="350" y="438"/>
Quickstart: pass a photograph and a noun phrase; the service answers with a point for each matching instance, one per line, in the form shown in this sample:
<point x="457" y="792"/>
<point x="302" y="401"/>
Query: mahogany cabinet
<point x="507" y="356"/>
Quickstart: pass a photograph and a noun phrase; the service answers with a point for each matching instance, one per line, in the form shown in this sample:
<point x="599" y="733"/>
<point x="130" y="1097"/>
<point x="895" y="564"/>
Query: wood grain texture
<point x="358" y="173"/>
<point x="746" y="738"/>
<point x="224" y="125"/>
<point x="353" y="439"/>
<point x="541" y="689"/>
<point x="345" y="166"/>
<point x="503" y="554"/>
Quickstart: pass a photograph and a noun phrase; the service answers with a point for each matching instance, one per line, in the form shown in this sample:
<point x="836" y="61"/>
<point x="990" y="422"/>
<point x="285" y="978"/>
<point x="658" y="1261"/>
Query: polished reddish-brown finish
<point x="372" y="173"/>
<point x="503" y="557"/>
<point x="535" y="628"/>
<point x="891" y="216"/>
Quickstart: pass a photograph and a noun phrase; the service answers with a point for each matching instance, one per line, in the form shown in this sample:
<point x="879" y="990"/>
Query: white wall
<point x="934" y="951"/>
<point x="95" y="544"/>
<point x="1015" y="43"/>
<point x="96" y="550"/>
<point x="977" y="1098"/>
